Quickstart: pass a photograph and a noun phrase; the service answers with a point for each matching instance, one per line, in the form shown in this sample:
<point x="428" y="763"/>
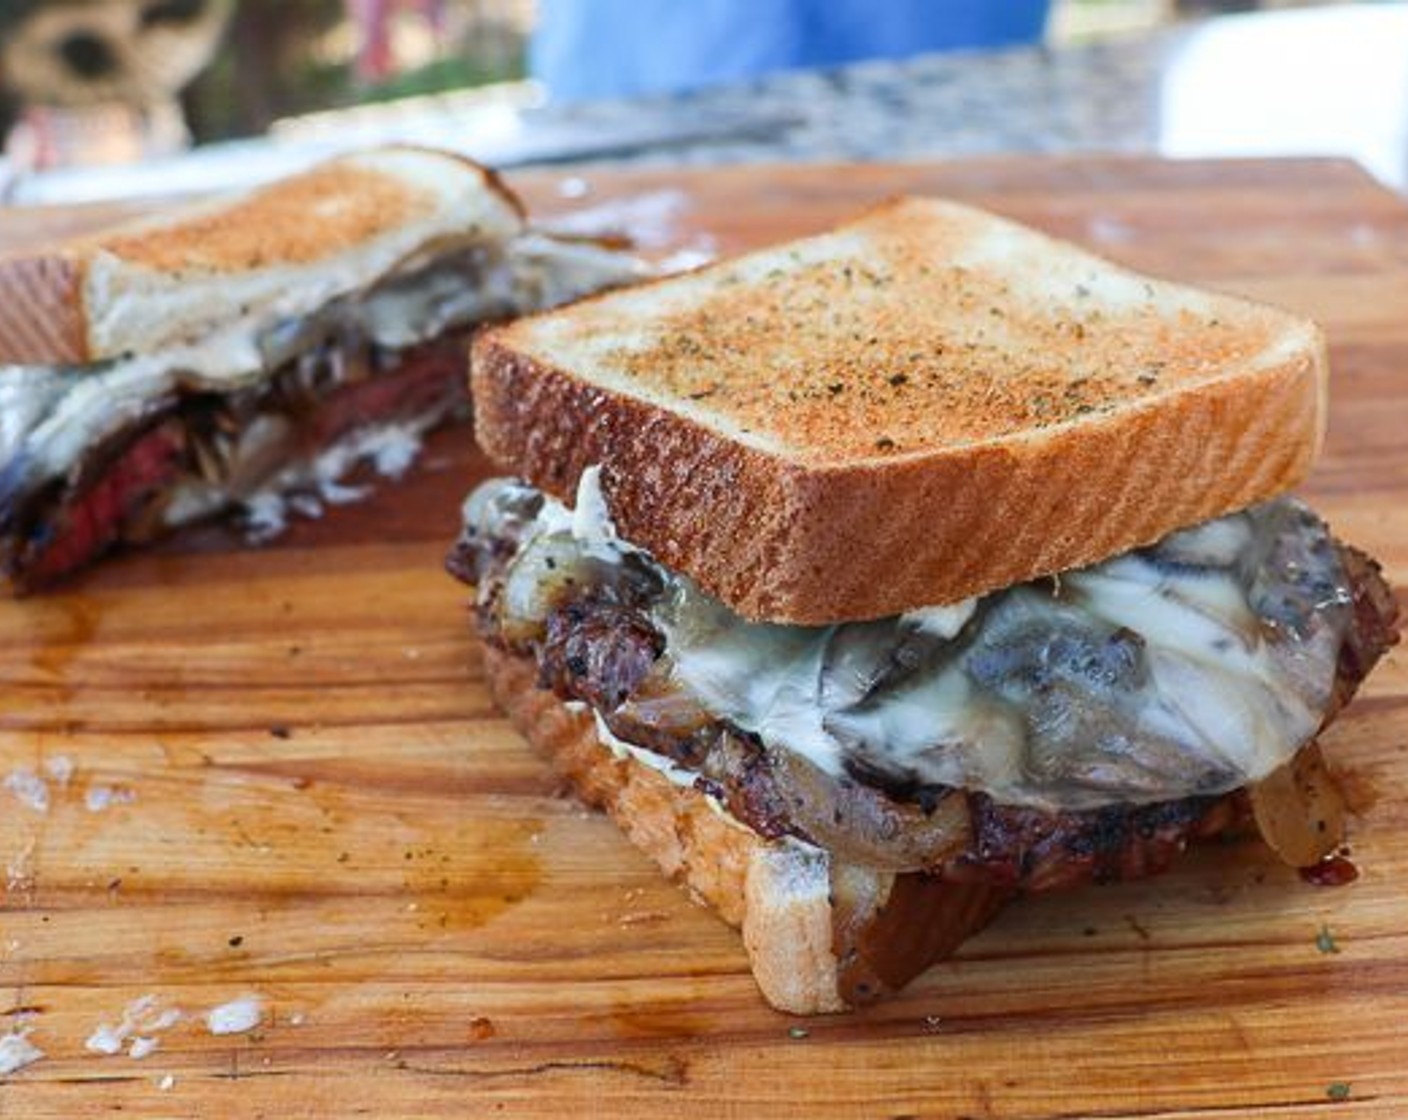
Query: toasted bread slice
<point x="820" y="935"/>
<point x="926" y="404"/>
<point x="281" y="251"/>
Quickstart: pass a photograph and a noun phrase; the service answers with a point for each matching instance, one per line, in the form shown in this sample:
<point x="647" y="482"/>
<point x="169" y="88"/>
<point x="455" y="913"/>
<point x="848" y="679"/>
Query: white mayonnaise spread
<point x="677" y="775"/>
<point x="1192" y="667"/>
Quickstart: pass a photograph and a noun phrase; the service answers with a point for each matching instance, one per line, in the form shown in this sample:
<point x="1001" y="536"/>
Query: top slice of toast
<point x="925" y="404"/>
<point x="280" y="251"/>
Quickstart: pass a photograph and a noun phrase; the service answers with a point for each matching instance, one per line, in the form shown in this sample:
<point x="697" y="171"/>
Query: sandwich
<point x="251" y="355"/>
<point x="873" y="580"/>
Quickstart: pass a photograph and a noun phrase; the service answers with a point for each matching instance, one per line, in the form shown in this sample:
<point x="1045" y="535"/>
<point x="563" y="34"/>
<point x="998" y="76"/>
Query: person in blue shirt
<point x="585" y="49"/>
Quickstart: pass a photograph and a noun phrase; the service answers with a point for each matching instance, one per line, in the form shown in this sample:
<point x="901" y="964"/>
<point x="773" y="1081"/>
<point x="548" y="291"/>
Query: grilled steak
<point x="601" y="644"/>
<point x="123" y="488"/>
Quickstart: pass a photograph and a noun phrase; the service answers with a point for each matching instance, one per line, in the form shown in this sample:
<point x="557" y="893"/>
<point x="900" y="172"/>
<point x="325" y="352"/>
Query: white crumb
<point x="166" y="1083"/>
<point x="296" y="1019"/>
<point x="98" y="798"/>
<point x="16" y="1052"/>
<point x="61" y="769"/>
<point x="106" y="1039"/>
<point x="19" y="869"/>
<point x="236" y="1017"/>
<point x="141" y="1021"/>
<point x="140" y="1048"/>
<point x="29" y="789"/>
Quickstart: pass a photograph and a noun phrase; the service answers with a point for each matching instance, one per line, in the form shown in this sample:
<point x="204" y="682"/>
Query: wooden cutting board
<point x="287" y="781"/>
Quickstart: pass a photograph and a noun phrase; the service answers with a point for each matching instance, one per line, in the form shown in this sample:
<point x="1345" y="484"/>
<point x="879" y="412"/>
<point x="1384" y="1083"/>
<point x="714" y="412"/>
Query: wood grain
<point x="326" y="811"/>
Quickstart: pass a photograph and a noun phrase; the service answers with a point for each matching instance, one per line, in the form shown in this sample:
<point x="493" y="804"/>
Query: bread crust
<point x="777" y="892"/>
<point x="42" y="314"/>
<point x="925" y="404"/>
<point x="53" y="299"/>
<point x="782" y="541"/>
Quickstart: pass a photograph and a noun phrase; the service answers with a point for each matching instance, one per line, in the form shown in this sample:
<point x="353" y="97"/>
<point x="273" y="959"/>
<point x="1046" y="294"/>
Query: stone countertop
<point x="1099" y="97"/>
<point x="1316" y="81"/>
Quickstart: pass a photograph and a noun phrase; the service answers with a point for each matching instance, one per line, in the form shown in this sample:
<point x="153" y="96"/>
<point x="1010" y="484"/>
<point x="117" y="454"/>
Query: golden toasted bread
<point x="283" y="250"/>
<point x="821" y="934"/>
<point x="923" y="405"/>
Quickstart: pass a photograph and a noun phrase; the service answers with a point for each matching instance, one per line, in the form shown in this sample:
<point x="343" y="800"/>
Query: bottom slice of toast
<point x="821" y="935"/>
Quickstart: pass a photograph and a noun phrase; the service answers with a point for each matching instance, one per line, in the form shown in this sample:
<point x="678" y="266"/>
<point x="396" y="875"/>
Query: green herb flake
<point x="1337" y="1090"/>
<point x="798" y="1033"/>
<point x="1325" y="940"/>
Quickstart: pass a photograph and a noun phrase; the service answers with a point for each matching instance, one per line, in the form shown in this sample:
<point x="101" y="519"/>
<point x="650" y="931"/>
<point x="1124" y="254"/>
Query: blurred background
<point x="105" y="83"/>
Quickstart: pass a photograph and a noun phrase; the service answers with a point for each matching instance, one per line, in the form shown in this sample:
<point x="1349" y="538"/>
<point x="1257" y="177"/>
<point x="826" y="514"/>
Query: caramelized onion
<point x="1299" y="809"/>
<point x="862" y="825"/>
<point x="544" y="571"/>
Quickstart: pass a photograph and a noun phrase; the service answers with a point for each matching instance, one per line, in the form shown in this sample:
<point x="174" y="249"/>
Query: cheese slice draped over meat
<point x="1191" y="667"/>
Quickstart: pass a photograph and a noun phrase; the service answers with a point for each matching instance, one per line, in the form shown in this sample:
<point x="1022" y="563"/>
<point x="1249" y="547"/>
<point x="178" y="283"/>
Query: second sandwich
<point x="247" y="355"/>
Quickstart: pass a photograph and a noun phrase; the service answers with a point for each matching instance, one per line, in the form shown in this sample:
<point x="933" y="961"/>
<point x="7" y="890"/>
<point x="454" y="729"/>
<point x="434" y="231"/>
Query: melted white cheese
<point x="302" y="486"/>
<point x="679" y="776"/>
<point x="1141" y="679"/>
<point x="675" y="775"/>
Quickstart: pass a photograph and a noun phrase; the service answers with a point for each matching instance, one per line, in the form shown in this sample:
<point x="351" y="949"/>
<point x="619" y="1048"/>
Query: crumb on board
<point x="239" y="1016"/>
<point x="142" y="1047"/>
<point x="142" y="1021"/>
<point x="28" y="788"/>
<point x="97" y="798"/>
<point x="61" y="768"/>
<point x="16" y="1052"/>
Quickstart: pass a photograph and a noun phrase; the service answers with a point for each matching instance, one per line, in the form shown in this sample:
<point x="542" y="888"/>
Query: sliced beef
<point x="116" y="493"/>
<point x="599" y="652"/>
<point x="94" y="517"/>
<point x="422" y="378"/>
<point x="1040" y="850"/>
